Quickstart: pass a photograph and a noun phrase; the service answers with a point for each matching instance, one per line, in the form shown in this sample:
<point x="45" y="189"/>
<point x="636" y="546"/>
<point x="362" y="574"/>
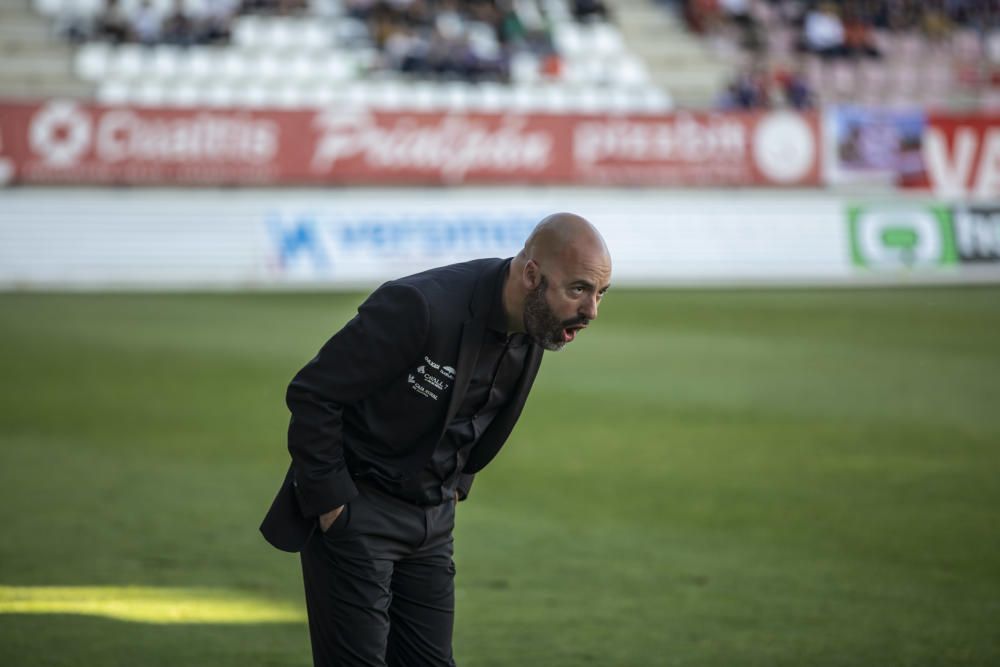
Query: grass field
<point x="705" y="478"/>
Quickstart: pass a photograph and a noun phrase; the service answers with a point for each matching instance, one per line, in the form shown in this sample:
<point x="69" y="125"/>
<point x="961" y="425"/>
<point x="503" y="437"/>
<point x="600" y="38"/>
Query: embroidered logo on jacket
<point x="430" y="378"/>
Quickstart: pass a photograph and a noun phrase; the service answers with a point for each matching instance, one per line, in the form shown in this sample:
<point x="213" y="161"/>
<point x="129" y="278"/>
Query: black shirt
<point x="498" y="368"/>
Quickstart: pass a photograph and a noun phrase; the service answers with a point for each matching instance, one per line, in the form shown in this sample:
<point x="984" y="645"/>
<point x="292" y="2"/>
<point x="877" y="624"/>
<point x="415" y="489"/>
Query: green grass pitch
<point x="799" y="478"/>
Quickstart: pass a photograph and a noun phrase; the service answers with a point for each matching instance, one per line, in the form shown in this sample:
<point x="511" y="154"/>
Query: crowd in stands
<point x="844" y="27"/>
<point x="461" y="39"/>
<point x="756" y="88"/>
<point x="146" y="24"/>
<point x="843" y="31"/>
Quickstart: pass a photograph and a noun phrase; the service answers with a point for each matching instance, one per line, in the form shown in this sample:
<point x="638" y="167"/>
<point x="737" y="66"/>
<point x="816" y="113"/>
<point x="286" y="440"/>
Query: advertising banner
<point x="141" y="238"/>
<point x="65" y="142"/>
<point x="955" y="156"/>
<point x="193" y="238"/>
<point x="962" y="155"/>
<point x="924" y="236"/>
<point x="875" y="146"/>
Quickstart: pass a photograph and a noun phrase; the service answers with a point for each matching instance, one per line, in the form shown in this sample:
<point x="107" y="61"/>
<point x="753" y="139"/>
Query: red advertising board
<point x="962" y="155"/>
<point x="64" y="142"/>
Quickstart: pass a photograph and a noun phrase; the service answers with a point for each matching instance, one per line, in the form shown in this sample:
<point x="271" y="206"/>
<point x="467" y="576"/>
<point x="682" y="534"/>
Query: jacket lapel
<point x="468" y="354"/>
<point x="495" y="436"/>
<point x="473" y="331"/>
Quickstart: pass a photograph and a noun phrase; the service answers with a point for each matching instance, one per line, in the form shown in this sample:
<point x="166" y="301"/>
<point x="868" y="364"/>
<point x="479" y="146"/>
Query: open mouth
<point x="569" y="333"/>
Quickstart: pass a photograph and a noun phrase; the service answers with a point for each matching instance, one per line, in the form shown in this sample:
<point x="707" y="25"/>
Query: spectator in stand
<point x="936" y="25"/>
<point x="739" y="13"/>
<point x="796" y="89"/>
<point x="178" y="28"/>
<point x="146" y="23"/>
<point x="360" y="9"/>
<point x="217" y="21"/>
<point x="274" y="6"/>
<point x="858" y="38"/>
<point x="588" y="10"/>
<point x="823" y="32"/>
<point x="749" y="90"/>
<point x="112" y="23"/>
<point x="406" y="50"/>
<point x="523" y="25"/>
<point x="701" y="16"/>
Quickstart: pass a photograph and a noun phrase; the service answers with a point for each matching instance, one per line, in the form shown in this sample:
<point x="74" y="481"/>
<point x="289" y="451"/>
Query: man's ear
<point x="532" y="274"/>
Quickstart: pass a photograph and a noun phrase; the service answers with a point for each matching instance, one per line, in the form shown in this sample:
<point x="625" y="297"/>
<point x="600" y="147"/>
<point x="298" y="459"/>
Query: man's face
<point x="554" y="312"/>
<point x="541" y="322"/>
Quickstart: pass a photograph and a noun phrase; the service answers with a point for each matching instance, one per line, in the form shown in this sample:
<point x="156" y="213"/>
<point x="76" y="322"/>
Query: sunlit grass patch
<point x="148" y="604"/>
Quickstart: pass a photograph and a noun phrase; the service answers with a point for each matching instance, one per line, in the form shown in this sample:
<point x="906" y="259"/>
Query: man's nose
<point x="589" y="309"/>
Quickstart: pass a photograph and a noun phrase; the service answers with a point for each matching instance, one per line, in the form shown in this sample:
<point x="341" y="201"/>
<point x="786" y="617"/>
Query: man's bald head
<point x="557" y="280"/>
<point x="560" y="233"/>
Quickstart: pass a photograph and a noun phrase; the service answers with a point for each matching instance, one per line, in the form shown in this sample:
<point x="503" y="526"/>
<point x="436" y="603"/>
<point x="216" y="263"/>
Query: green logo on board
<point x="907" y="236"/>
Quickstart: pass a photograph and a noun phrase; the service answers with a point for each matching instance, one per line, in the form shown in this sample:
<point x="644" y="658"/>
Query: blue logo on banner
<point x="296" y="238"/>
<point x="306" y="239"/>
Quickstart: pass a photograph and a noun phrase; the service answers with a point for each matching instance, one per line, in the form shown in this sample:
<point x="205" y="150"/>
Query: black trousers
<point x="380" y="584"/>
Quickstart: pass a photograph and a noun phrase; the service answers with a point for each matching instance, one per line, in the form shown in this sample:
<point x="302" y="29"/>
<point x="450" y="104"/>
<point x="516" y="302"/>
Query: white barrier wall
<point x="181" y="239"/>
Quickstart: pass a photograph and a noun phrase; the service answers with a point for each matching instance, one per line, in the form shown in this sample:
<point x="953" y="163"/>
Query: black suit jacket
<point x="366" y="392"/>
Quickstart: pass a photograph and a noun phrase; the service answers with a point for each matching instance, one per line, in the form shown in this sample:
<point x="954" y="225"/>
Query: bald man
<point x="392" y="420"/>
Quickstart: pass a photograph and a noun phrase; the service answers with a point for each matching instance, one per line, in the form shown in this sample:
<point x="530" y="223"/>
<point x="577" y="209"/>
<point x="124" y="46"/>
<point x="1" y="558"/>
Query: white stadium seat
<point x="289" y="96"/>
<point x="569" y="40"/>
<point x="654" y="100"/>
<point x="234" y="65"/>
<point x="248" y="32"/>
<point x="604" y="39"/>
<point x="253" y="95"/>
<point x="182" y="94"/>
<point x="321" y="96"/>
<point x="457" y="95"/>
<point x="280" y="34"/>
<point x="149" y="93"/>
<point x="619" y="100"/>
<point x="630" y="71"/>
<point x="220" y="94"/>
<point x="129" y="61"/>
<point x="524" y="68"/>
<point x="555" y="99"/>
<point x="527" y="98"/>
<point x="351" y="32"/>
<point x="557" y="11"/>
<point x="315" y="36"/>
<point x="92" y="61"/>
<point x="199" y="64"/>
<point x="165" y="62"/>
<point x="425" y="96"/>
<point x="335" y="66"/>
<point x="266" y="67"/>
<point x="113" y="92"/>
<point x="587" y="99"/>
<point x="326" y="8"/>
<point x="489" y="97"/>
<point x="303" y="68"/>
<point x="389" y="95"/>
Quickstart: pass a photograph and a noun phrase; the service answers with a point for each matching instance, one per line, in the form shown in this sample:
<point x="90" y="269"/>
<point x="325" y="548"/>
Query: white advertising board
<point x="231" y="239"/>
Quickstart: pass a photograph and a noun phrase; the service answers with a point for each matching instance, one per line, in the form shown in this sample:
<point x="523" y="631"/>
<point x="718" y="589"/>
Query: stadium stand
<point x="544" y="55"/>
<point x="932" y="54"/>
<point x="36" y="63"/>
<point x="529" y="55"/>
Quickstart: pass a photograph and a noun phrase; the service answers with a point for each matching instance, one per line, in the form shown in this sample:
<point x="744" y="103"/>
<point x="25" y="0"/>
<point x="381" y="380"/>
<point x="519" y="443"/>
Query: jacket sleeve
<point x="378" y="344"/>
<point x="464" y="485"/>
